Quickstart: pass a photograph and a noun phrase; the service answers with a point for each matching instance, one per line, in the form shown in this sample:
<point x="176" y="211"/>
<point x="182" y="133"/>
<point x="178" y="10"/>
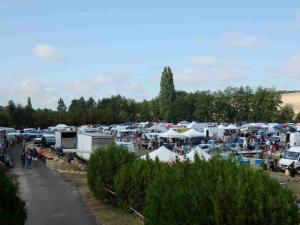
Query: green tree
<point x="297" y="119"/>
<point x="61" y="107"/>
<point x="132" y="180"/>
<point x="265" y="104"/>
<point x="286" y="114"/>
<point x="29" y="105"/>
<point x="104" y="164"/>
<point x="167" y="94"/>
<point x="204" y="106"/>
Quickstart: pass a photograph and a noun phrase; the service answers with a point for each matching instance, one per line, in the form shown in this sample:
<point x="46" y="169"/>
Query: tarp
<point x="158" y="128"/>
<point x="221" y="126"/>
<point x="192" y="133"/>
<point x="231" y="127"/>
<point x="171" y="134"/>
<point x="183" y="123"/>
<point x="169" y="125"/>
<point x="202" y="154"/>
<point x="163" y="154"/>
<point x="197" y="126"/>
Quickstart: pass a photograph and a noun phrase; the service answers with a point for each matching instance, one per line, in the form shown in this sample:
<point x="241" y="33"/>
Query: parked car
<point x="289" y="156"/>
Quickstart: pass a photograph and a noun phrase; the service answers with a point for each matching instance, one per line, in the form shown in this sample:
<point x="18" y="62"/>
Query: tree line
<point x="233" y="104"/>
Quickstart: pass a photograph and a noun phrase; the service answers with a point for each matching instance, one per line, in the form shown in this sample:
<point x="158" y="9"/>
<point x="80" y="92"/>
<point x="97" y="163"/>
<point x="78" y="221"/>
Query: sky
<point x="51" y="49"/>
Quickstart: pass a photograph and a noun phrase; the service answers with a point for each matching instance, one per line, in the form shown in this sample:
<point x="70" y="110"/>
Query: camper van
<point x="289" y="156"/>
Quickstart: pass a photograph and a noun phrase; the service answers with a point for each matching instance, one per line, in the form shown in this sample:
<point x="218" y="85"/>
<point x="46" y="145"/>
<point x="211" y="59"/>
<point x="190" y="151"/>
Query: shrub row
<point x="12" y="208"/>
<point x="204" y="192"/>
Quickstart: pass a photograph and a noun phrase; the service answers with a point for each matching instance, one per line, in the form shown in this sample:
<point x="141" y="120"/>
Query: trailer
<point x="294" y="139"/>
<point x="89" y="142"/>
<point x="65" y="139"/>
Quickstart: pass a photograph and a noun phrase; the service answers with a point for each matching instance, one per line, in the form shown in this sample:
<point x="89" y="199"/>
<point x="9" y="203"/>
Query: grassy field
<point x="290" y="182"/>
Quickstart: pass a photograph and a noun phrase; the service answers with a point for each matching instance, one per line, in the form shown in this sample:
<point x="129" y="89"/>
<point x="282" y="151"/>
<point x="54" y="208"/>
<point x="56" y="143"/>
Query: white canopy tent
<point x="157" y="128"/>
<point x="202" y="154"/>
<point x="221" y="126"/>
<point x="197" y="126"/>
<point x="163" y="154"/>
<point x="171" y="134"/>
<point x="231" y="127"/>
<point x="192" y="133"/>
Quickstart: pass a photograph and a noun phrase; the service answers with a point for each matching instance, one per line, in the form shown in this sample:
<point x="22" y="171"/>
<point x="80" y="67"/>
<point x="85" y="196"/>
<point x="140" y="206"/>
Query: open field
<point x="293" y="99"/>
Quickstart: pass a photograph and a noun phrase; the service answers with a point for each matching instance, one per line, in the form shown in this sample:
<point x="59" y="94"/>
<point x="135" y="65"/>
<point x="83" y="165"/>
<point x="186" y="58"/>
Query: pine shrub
<point x="103" y="166"/>
<point x="132" y="181"/>
<point x="12" y="208"/>
<point x="217" y="192"/>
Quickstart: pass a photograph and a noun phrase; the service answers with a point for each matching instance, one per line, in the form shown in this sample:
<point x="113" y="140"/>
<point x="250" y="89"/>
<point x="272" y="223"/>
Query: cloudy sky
<point x="54" y="48"/>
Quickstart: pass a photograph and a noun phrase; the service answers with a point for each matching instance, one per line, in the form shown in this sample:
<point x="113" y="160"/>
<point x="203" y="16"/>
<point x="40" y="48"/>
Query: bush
<point x="217" y="192"/>
<point x="132" y="181"/>
<point x="12" y="208"/>
<point x="103" y="166"/>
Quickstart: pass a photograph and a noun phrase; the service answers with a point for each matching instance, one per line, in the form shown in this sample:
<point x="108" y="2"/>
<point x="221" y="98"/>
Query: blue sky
<point x="68" y="49"/>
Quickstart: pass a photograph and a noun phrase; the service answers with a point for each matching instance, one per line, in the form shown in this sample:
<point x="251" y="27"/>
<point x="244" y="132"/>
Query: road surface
<point x="50" y="200"/>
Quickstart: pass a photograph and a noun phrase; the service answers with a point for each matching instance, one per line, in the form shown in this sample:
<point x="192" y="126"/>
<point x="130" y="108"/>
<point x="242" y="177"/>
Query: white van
<point x="289" y="156"/>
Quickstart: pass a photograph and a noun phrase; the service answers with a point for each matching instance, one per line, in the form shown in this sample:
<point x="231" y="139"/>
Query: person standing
<point x="292" y="169"/>
<point x="23" y="157"/>
<point x="35" y="156"/>
<point x="28" y="158"/>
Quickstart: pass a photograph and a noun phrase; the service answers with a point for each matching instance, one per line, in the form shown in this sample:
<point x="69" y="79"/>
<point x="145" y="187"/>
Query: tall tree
<point x="167" y="94"/>
<point x="61" y="107"/>
<point x="29" y="105"/>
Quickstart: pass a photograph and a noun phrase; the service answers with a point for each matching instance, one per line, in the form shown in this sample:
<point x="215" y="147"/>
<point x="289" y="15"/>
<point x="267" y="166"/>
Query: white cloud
<point x="291" y="67"/>
<point x="210" y="70"/>
<point x="205" y="60"/>
<point x="47" y="52"/>
<point x="87" y="85"/>
<point x="41" y="94"/>
<point x="240" y="40"/>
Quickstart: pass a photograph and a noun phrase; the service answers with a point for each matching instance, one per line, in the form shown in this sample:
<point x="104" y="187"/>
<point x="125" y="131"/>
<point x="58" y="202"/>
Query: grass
<point x="292" y="183"/>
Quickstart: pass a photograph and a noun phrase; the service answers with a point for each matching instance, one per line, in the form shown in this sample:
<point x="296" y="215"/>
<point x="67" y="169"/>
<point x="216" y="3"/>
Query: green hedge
<point x="103" y="166"/>
<point x="12" y="208"/>
<point x="214" y="192"/>
<point x="218" y="192"/>
<point x="132" y="181"/>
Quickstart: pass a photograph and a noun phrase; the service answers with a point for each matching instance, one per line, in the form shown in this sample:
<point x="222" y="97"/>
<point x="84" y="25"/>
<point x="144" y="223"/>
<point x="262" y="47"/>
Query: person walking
<point x="23" y="157"/>
<point x="35" y="156"/>
<point x="28" y="158"/>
